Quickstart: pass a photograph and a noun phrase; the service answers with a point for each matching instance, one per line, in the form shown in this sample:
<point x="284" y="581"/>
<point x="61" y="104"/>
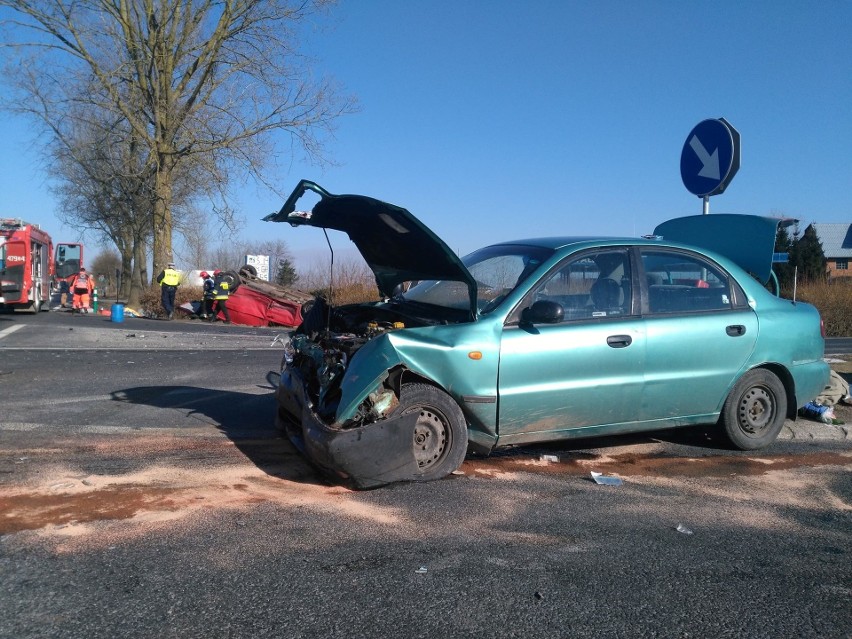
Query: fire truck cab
<point x="26" y="269"/>
<point x="67" y="263"/>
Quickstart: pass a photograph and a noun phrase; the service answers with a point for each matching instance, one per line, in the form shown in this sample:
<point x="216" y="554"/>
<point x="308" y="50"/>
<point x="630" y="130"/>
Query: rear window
<point x="685" y="282"/>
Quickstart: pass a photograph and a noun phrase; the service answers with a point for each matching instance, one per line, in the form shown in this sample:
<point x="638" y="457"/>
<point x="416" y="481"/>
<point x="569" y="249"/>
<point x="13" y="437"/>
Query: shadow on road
<point x="247" y="419"/>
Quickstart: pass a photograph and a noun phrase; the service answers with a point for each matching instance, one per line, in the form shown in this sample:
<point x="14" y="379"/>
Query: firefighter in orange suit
<point x="82" y="286"/>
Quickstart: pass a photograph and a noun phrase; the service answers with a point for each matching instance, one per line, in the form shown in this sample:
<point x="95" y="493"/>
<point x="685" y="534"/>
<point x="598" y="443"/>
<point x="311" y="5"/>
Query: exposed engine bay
<point x="322" y="347"/>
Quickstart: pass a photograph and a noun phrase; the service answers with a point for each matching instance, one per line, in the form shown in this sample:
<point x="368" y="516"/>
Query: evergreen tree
<point x="810" y="257"/>
<point x="286" y="275"/>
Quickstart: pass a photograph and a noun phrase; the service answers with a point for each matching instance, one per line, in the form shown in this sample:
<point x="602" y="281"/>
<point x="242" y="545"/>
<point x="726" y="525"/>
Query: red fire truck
<point x="28" y="276"/>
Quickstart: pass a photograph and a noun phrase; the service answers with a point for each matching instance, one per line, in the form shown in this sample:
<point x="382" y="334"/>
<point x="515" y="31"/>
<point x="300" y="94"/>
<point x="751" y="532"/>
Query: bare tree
<point x="198" y="235"/>
<point x="206" y="82"/>
<point x="102" y="186"/>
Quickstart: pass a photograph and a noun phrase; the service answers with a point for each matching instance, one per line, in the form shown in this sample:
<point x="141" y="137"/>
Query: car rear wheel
<point x="754" y="412"/>
<point x="440" y="435"/>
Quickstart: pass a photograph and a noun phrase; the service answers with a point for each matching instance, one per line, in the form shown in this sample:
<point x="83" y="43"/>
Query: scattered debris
<point x="457" y="472"/>
<point x="821" y="409"/>
<point x="600" y="478"/>
<point x="549" y="458"/>
<point x="818" y="412"/>
<point x="683" y="529"/>
<point x="538" y="595"/>
<point x="835" y="392"/>
<point x="422" y="570"/>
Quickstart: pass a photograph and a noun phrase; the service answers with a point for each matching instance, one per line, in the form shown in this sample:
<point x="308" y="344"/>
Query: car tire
<point x="755" y="410"/>
<point x="233" y="280"/>
<point x="440" y="436"/>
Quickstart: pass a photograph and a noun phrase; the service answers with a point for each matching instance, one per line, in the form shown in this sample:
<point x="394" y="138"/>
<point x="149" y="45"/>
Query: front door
<point x="581" y="375"/>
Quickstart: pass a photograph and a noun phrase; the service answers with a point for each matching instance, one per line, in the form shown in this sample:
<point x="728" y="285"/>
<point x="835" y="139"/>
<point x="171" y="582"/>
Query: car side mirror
<point x="543" y="312"/>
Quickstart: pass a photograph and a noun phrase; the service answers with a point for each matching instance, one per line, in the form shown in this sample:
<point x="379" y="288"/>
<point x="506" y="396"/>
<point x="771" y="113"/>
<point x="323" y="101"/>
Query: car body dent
<point x="439" y="355"/>
<point x="368" y="456"/>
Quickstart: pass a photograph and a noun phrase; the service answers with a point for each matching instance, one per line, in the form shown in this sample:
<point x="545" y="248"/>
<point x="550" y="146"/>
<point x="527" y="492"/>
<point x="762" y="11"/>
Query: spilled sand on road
<point x="175" y="482"/>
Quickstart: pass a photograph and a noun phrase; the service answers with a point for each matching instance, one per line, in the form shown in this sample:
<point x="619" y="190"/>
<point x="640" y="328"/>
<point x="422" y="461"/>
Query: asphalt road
<point x="145" y="493"/>
<point x="838" y="346"/>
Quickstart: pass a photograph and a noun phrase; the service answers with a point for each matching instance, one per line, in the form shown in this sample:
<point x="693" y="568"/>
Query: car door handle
<point x="619" y="341"/>
<point x="735" y="330"/>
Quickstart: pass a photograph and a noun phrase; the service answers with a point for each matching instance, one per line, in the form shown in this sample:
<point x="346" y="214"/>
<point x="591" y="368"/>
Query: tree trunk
<point x="123" y="291"/>
<point x="140" y="273"/>
<point x="163" y="213"/>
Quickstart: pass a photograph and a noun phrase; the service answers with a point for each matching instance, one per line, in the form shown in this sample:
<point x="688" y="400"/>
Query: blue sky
<point x="494" y="120"/>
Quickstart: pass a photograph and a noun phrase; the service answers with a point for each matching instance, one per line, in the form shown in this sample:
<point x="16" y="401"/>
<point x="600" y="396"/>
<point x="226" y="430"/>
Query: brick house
<point x="836" y="240"/>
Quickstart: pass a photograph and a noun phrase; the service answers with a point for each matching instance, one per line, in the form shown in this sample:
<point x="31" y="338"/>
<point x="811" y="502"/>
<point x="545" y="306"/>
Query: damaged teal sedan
<point x="540" y="340"/>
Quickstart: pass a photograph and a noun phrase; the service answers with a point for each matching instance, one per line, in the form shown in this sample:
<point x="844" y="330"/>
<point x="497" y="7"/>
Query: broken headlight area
<point x="320" y="357"/>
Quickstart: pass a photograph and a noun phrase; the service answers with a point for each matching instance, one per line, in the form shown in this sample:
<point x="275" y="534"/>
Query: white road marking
<point x="10" y="330"/>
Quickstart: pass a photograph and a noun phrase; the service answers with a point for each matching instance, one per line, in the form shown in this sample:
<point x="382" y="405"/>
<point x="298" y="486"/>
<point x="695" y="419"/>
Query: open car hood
<point x="396" y="245"/>
<point x="748" y="240"/>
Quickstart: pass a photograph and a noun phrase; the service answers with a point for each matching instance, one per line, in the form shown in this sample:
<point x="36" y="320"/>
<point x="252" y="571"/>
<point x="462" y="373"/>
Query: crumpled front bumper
<point x="366" y="457"/>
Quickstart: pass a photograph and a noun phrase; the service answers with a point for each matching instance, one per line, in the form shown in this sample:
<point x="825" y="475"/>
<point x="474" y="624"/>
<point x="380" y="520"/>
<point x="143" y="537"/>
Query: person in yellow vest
<point x="81" y="287"/>
<point x="169" y="280"/>
<point x="221" y="292"/>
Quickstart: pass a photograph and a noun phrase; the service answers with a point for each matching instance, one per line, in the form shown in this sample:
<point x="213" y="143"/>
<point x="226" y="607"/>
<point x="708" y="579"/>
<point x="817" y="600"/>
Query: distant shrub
<point x="834" y="301"/>
<point x="150" y="305"/>
<point x="353" y="281"/>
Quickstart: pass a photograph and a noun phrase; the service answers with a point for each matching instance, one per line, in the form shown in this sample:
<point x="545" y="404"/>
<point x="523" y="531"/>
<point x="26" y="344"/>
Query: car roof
<point x="559" y="242"/>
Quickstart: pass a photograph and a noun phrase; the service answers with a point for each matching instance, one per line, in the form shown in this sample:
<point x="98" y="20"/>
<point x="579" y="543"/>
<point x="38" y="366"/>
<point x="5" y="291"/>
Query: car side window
<point x="593" y="285"/>
<point x="684" y="282"/>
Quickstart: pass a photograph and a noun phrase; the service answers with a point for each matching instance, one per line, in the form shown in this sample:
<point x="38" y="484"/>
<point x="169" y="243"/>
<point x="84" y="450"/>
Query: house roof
<point x="836" y="239"/>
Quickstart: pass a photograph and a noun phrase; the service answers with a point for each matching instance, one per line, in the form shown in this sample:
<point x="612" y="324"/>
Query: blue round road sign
<point x="710" y="157"/>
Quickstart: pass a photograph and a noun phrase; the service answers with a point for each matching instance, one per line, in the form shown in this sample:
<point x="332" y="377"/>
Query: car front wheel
<point x="440" y="435"/>
<point x="754" y="412"/>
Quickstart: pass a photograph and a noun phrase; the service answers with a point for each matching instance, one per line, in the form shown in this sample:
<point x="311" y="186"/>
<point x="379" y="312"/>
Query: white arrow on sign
<point x="710" y="168"/>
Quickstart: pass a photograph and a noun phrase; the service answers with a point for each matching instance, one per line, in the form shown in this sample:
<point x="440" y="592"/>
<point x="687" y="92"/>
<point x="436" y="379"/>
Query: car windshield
<point x="497" y="271"/>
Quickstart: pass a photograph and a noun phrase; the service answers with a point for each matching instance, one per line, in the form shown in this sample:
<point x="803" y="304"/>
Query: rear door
<point x="700" y="334"/>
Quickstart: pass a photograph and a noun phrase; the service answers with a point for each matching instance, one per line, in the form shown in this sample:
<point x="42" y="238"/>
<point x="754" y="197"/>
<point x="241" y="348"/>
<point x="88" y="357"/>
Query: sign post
<point x="710" y="158"/>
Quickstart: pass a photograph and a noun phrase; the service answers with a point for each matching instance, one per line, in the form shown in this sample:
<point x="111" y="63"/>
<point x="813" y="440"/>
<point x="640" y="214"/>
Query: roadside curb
<point x="806" y="430"/>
